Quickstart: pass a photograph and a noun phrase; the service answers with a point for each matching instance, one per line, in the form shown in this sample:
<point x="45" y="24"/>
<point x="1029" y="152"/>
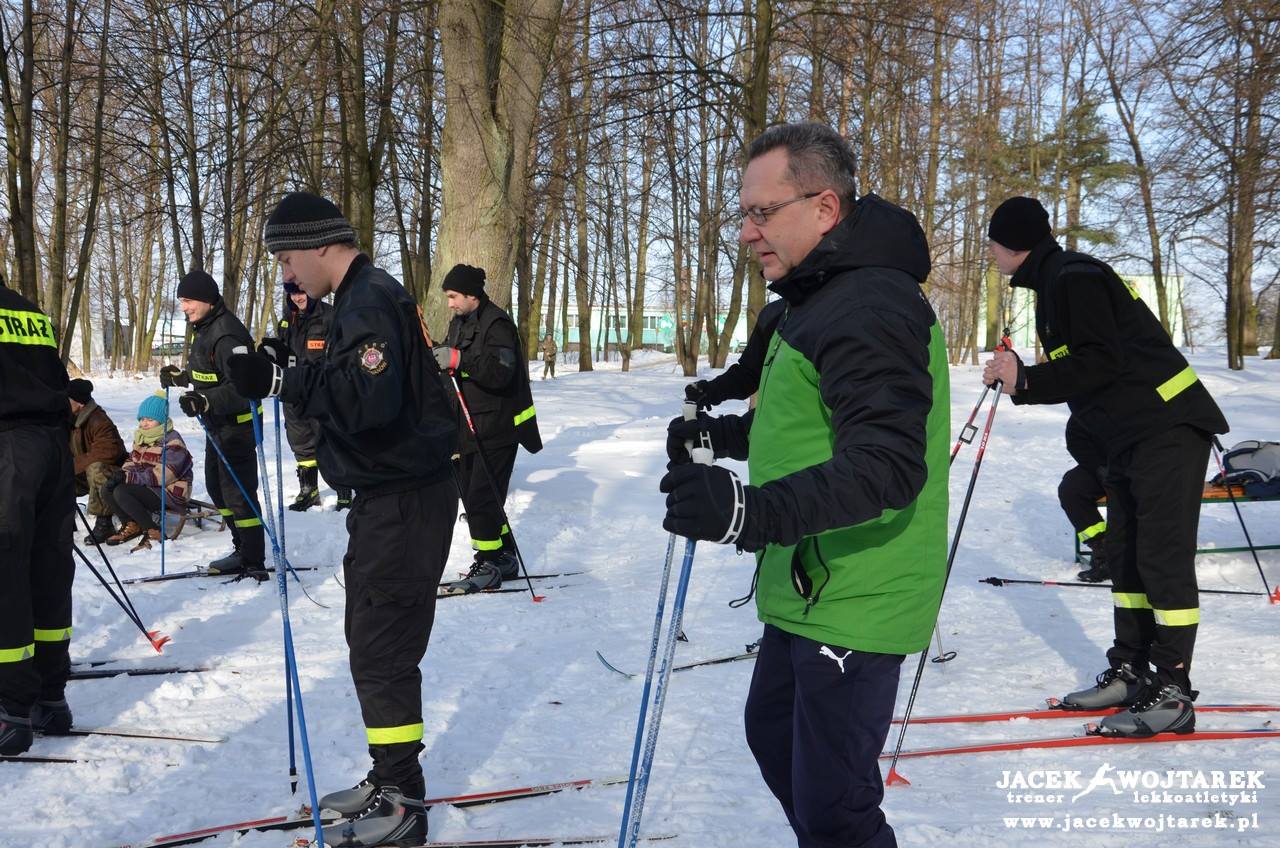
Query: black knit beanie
<point x="1020" y="223"/>
<point x="197" y="285"/>
<point x="80" y="391"/>
<point x="304" y="221"/>
<point x="465" y="279"/>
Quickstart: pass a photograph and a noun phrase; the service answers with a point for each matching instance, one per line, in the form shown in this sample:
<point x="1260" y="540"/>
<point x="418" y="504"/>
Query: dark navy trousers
<point x="817" y="717"/>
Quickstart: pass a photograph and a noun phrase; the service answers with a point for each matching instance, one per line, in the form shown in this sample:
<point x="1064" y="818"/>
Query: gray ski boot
<point x="389" y="819"/>
<point x="482" y="575"/>
<point x="1116" y="687"/>
<point x="348" y="802"/>
<point x="232" y="563"/>
<point x="15" y="734"/>
<point x="1165" y="708"/>
<point x="508" y="565"/>
<point x="51" y="717"/>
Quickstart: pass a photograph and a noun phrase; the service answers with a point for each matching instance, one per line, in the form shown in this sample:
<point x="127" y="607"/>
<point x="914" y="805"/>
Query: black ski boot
<point x="344" y="499"/>
<point x="51" y="717"/>
<point x="254" y="571"/>
<point x="1118" y="686"/>
<point x="1098" y="569"/>
<point x="15" y="734"/>
<point x="389" y="819"/>
<point x="103" y="529"/>
<point x="232" y="563"/>
<point x="309" y="491"/>
<point x="508" y="566"/>
<point x="1165" y="707"/>
<point x="348" y="802"/>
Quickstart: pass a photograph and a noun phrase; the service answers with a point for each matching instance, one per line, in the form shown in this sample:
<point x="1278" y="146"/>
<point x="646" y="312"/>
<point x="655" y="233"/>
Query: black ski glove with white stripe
<point x="710" y="503"/>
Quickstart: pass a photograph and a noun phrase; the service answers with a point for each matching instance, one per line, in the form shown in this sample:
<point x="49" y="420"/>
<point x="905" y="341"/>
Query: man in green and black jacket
<point x="1113" y="364"/>
<point x="227" y="417"/>
<point x="847" y="507"/>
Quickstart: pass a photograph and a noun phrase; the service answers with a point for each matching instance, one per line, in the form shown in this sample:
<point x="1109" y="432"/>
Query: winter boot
<point x="1098" y="569"/>
<point x="51" y="717"/>
<point x="103" y="529"/>
<point x="152" y="535"/>
<point x="389" y="819"/>
<point x="344" y="499"/>
<point x="348" y="802"/>
<point x="128" y="532"/>
<point x="254" y="570"/>
<point x="1165" y="707"/>
<point x="309" y="491"/>
<point x="483" y="575"/>
<point x="508" y="566"/>
<point x="232" y="563"/>
<point x="1116" y="687"/>
<point x="15" y="734"/>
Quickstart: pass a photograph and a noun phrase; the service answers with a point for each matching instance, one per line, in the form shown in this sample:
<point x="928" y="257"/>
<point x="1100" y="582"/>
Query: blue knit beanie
<point x="154" y="407"/>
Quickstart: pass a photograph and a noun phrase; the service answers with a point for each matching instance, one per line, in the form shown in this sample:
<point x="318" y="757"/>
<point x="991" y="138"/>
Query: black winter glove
<point x="276" y="349"/>
<point x="172" y="375"/>
<point x="193" y="404"/>
<point x="702" y="393"/>
<point x="254" y="375"/>
<point x="710" y="503"/>
<point x="680" y="431"/>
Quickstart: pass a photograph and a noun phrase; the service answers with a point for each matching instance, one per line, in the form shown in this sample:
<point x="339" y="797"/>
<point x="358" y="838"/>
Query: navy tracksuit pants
<point x="817" y="717"/>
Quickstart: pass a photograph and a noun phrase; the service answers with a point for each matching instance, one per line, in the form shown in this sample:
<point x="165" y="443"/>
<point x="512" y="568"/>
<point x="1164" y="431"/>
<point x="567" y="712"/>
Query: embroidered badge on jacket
<point x="373" y="357"/>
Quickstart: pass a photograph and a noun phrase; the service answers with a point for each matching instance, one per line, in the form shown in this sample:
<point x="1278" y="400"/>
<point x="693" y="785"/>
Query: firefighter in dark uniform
<point x="302" y="330"/>
<point x="1078" y="494"/>
<point x="1113" y="363"/>
<point x="386" y="431"/>
<point x="483" y="353"/>
<point x="227" y="418"/>
<point x="37" y="505"/>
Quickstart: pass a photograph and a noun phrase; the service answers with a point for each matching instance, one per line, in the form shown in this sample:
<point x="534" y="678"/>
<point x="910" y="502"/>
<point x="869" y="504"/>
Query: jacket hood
<point x="875" y="234"/>
<point x="1028" y="275"/>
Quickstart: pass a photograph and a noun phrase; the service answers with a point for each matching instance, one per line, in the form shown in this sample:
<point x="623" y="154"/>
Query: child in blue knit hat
<point x="134" y="492"/>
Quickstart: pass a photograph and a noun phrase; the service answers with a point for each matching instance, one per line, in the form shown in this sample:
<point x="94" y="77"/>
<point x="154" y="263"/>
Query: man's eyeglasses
<point x="759" y="215"/>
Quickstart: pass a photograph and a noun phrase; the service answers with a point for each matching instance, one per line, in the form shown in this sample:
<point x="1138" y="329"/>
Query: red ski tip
<point x="895" y="779"/>
<point x="158" y="640"/>
<point x="537" y="599"/>
<point x="1275" y="596"/>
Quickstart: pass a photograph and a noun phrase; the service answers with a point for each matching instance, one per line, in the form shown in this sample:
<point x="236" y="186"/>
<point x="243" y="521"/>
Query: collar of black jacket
<point x="1028" y="275"/>
<point x="219" y="307"/>
<point x="876" y="233"/>
<point x="354" y="268"/>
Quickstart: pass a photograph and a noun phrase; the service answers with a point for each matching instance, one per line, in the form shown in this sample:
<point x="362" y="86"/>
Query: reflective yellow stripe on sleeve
<point x="524" y="416"/>
<point x="1059" y="352"/>
<point x="1177" y="618"/>
<point x="246" y="417"/>
<point x="20" y="326"/>
<point x="392" y="735"/>
<point x="1092" y="530"/>
<point x="1176" y="384"/>
<point x="12" y="655"/>
<point x="1130" y="600"/>
<point x="204" y="376"/>
<point x="59" y="634"/>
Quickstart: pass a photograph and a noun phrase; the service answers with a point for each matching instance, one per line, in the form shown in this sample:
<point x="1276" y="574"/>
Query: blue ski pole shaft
<point x="288" y="676"/>
<point x="631" y="827"/>
<point x="290" y="658"/>
<point x="164" y="473"/>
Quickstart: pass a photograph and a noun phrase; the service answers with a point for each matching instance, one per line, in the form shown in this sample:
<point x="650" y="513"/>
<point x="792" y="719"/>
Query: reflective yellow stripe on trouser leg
<point x="1092" y="530"/>
<point x="55" y="634"/>
<point x="487" y="544"/>
<point x="13" y="655"/>
<point x="392" y="735"/>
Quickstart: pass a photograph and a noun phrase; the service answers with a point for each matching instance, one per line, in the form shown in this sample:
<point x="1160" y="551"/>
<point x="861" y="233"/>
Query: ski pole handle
<point x="703" y="454"/>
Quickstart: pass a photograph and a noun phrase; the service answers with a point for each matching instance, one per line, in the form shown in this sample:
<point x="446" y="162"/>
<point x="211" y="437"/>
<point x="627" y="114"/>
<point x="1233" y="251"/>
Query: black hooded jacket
<point x="33" y="382"/>
<point x="304" y="330"/>
<point x="217" y="335"/>
<point x="1110" y="360"/>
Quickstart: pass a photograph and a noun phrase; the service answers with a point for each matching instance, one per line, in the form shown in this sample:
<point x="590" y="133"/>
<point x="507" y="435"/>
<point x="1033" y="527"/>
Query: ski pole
<point x="484" y="465"/>
<point x="288" y="678"/>
<point x="290" y="658"/>
<point x="1218" y="450"/>
<point x="164" y="473"/>
<point x="157" y="639"/>
<point x="642" y="760"/>
<point x="893" y="777"/>
<point x="1001" y="581"/>
<point x="968" y="431"/>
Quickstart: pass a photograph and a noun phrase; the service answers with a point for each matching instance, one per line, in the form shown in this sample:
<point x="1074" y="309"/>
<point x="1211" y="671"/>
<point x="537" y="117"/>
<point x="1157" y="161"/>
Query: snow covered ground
<point x="514" y="694"/>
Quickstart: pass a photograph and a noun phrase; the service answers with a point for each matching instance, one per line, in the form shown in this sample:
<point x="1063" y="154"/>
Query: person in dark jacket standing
<point x="303" y="330"/>
<point x="36" y="521"/>
<point x="226" y="414"/>
<point x="741" y="379"/>
<point x="1078" y="494"/>
<point x="482" y="352"/>
<point x="97" y="451"/>
<point x="854" y="401"/>
<point x="1113" y="364"/>
<point x="385" y="431"/>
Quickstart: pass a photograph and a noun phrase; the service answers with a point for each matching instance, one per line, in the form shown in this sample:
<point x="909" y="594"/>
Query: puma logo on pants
<point x="827" y="652"/>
